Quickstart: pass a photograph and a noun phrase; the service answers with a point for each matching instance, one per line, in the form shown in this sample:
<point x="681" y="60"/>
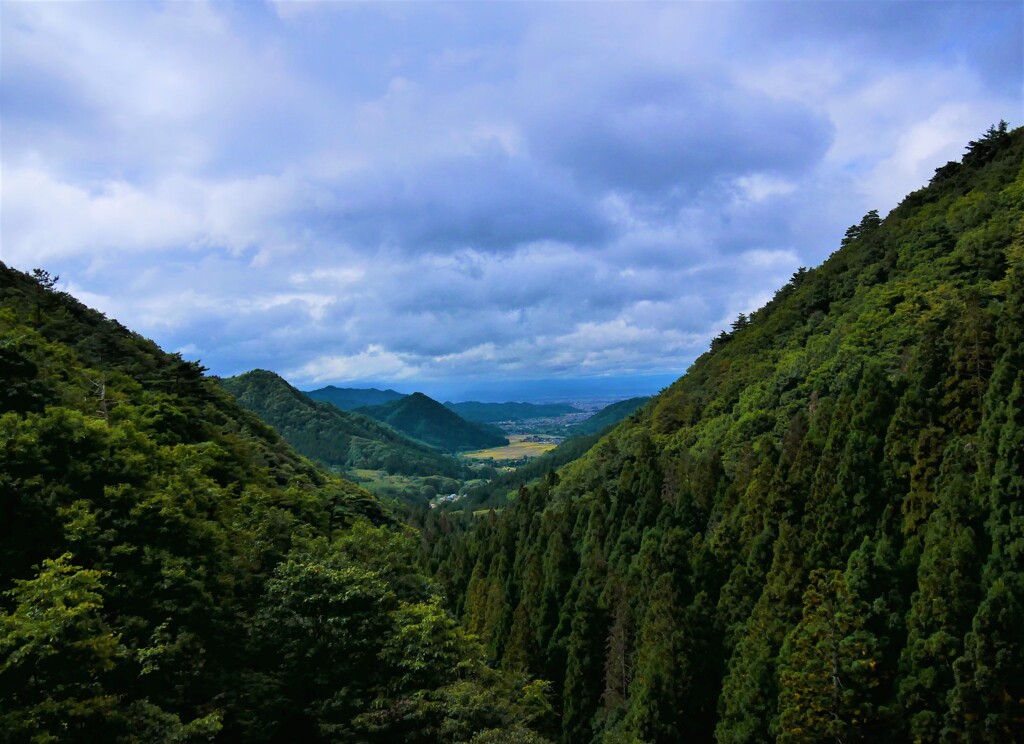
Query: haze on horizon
<point x="457" y="198"/>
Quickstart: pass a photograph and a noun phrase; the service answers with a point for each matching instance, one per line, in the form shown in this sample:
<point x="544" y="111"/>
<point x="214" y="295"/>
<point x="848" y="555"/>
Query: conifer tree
<point x="750" y="690"/>
<point x="987" y="702"/>
<point x="827" y="666"/>
<point x="584" y="674"/>
<point x="942" y="606"/>
<point x="855" y="498"/>
<point x="619" y="650"/>
<point x="659" y="681"/>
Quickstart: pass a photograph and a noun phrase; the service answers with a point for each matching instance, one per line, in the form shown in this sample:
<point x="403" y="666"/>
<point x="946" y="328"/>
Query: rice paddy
<point x="519" y="446"/>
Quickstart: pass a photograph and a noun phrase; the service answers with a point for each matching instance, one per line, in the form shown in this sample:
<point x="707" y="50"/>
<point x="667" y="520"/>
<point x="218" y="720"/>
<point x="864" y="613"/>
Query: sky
<point x="489" y="200"/>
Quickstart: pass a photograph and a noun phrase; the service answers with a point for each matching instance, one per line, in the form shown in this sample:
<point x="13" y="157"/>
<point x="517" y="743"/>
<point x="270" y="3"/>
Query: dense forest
<point x="337" y="438"/>
<point x="816" y="534"/>
<point x="421" y="417"/>
<point x="170" y="569"/>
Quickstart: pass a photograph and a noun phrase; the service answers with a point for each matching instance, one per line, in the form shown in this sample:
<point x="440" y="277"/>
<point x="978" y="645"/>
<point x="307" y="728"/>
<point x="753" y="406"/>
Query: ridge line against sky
<point x="471" y="197"/>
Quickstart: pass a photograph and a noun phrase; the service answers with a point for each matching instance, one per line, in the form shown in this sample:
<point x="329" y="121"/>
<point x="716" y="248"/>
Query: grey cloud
<point x="487" y="201"/>
<point x="661" y="132"/>
<point x="467" y="190"/>
<point x="986" y="36"/>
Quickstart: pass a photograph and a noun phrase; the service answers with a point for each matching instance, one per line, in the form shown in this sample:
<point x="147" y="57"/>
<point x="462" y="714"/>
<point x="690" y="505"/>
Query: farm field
<point x="518" y="447"/>
<point x="412" y="488"/>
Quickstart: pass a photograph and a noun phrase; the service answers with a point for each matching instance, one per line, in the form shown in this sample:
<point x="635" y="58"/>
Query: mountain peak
<point x="423" y="418"/>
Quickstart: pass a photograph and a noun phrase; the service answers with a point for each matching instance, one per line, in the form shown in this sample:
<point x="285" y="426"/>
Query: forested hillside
<point x="608" y="416"/>
<point x="327" y="434"/>
<point x="423" y="418"/>
<point x="817" y="534"/>
<point x="348" y="399"/>
<point x="172" y="571"/>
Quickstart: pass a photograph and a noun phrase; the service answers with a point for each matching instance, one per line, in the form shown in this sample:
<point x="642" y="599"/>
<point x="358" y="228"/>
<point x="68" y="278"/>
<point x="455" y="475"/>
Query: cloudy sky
<point x="487" y="200"/>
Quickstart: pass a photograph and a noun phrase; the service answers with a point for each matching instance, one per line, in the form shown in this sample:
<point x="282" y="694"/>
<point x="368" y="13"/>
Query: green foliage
<point x="815" y="534"/>
<point x="608" y="416"/>
<point x="827" y="667"/>
<point x="57" y="648"/>
<point x="427" y="420"/>
<point x="336" y="438"/>
<point x="61" y="664"/>
<point x="171" y="570"/>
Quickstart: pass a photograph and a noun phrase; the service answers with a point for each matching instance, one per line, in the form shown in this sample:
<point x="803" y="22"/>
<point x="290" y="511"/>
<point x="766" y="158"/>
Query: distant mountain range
<point x="493" y="412"/>
<point x="349" y="399"/>
<point x="423" y="418"/>
<point x="495" y="493"/>
<point x="337" y="438"/>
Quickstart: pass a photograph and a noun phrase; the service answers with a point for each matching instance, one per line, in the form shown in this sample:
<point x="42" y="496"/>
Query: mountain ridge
<point x="348" y="399"/>
<point x="423" y="418"/>
<point x="328" y="434"/>
<point x="610" y="415"/>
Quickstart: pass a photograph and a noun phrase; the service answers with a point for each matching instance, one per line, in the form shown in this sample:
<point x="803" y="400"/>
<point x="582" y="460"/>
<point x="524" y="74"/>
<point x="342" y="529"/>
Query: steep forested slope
<point x="818" y="532"/>
<point x="423" y="418"/>
<point x="330" y="435"/>
<point x="348" y="399"/>
<point x="171" y="570"/>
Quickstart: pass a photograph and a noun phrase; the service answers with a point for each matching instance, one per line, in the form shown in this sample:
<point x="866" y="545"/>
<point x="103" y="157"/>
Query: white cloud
<point x="339" y="276"/>
<point x="314" y="304"/>
<point x="359" y="191"/>
<point x="47" y="218"/>
<point x="762" y="259"/>
<point x="926" y="145"/>
<point x="373" y="363"/>
<point x="760" y="186"/>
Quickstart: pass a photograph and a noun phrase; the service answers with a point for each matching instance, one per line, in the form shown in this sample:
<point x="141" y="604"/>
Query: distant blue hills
<point x="545" y="390"/>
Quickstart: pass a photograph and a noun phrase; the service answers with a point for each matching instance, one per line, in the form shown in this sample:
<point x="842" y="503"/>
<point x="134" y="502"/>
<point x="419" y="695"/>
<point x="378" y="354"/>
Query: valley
<point x="520" y="447"/>
<point x="489" y="401"/>
<point x="411" y="449"/>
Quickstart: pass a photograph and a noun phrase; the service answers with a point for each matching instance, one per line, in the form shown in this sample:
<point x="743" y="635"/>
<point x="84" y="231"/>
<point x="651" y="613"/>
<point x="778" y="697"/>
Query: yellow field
<point x="517" y="448"/>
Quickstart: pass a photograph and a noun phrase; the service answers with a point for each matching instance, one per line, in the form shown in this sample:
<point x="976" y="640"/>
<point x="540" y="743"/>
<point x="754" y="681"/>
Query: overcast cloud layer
<point x="441" y="195"/>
